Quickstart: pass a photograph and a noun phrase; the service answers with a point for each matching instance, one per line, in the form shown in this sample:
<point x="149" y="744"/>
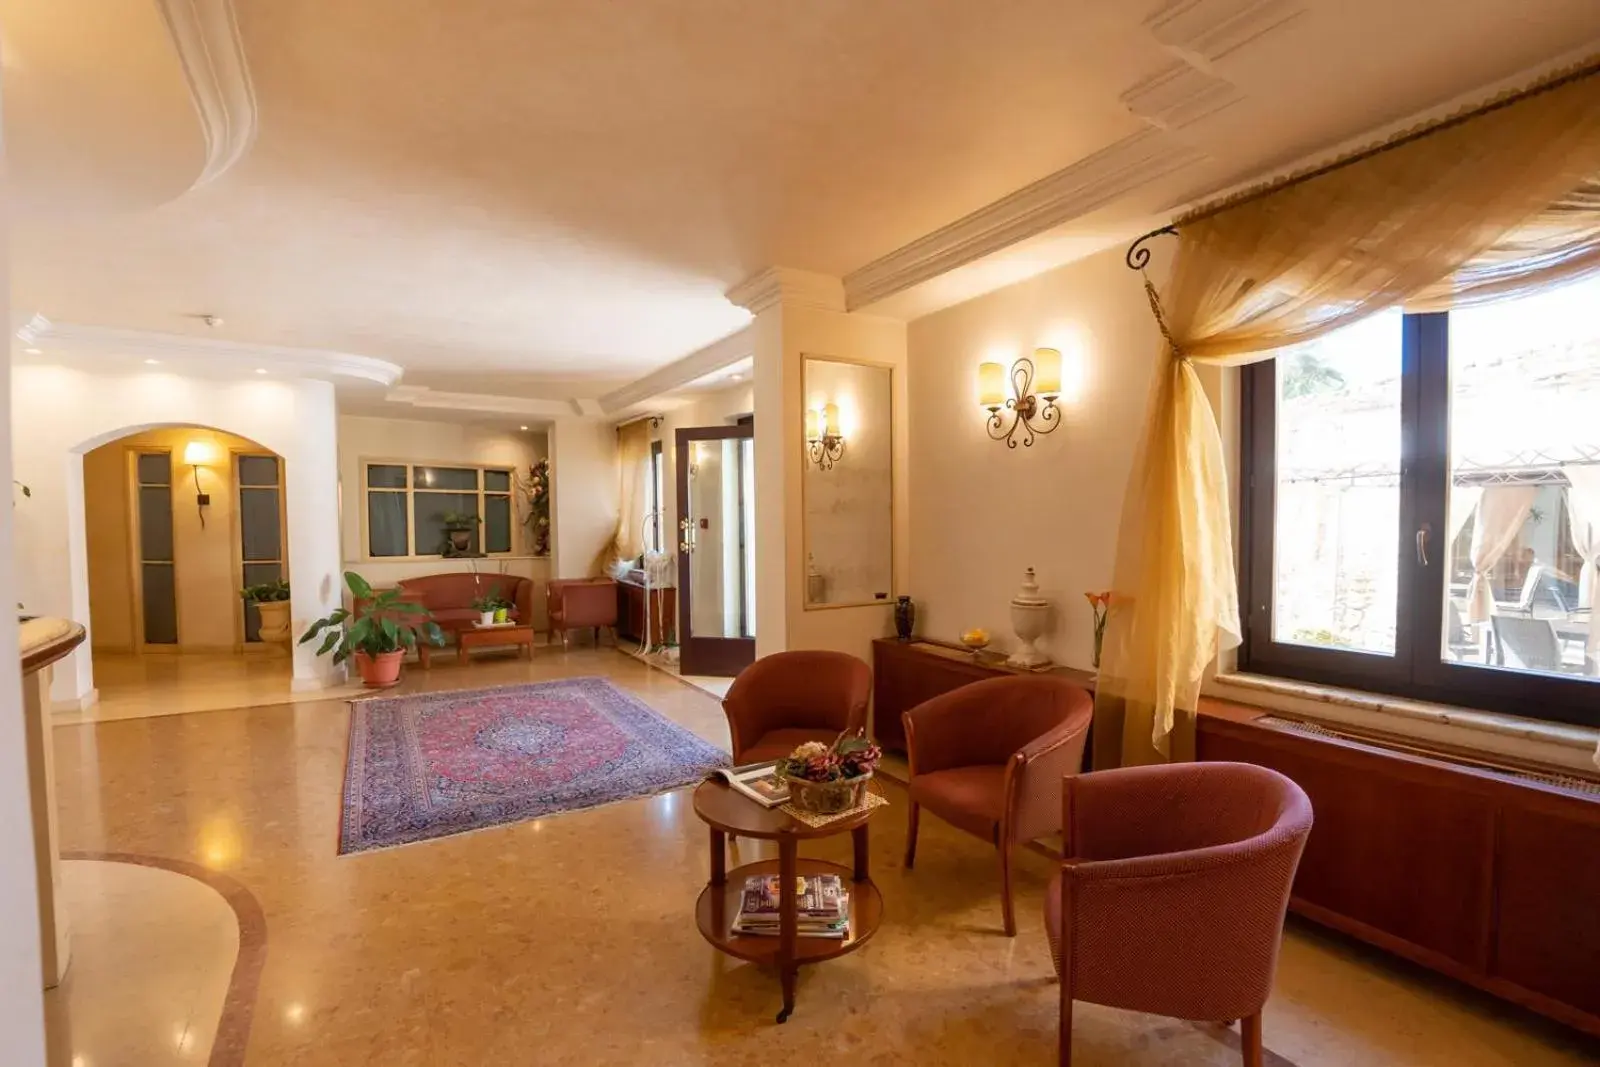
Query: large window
<point x="654" y="491"/>
<point x="435" y="510"/>
<point x="1422" y="506"/>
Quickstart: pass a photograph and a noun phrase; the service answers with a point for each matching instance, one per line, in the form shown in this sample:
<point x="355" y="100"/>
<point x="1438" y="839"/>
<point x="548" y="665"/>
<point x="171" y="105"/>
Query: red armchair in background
<point x="988" y="758"/>
<point x="582" y="603"/>
<point x="788" y="698"/>
<point x="1173" y="897"/>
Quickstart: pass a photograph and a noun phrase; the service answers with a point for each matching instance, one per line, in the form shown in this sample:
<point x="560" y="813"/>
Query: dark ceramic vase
<point x="905" y="617"/>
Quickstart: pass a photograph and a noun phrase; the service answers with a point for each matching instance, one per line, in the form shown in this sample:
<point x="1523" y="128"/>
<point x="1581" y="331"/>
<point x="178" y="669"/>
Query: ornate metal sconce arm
<point x="1034" y="416"/>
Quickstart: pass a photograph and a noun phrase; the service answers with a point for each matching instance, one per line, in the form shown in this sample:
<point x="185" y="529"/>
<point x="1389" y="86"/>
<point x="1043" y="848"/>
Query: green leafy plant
<point x="459" y="520"/>
<point x="380" y="622"/>
<point x="490" y="601"/>
<point x="266" y="592"/>
<point x="850" y="756"/>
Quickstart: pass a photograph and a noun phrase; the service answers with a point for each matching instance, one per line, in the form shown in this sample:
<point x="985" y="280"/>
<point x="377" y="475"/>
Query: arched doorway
<point x="178" y="520"/>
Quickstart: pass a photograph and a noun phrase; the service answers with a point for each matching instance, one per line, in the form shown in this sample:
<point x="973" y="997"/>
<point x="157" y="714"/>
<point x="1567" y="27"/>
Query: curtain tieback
<point x="1161" y="318"/>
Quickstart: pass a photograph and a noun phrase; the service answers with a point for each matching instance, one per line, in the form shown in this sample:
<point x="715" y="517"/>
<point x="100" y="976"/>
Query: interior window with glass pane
<point x="1335" y="569"/>
<point x="1524" y="497"/>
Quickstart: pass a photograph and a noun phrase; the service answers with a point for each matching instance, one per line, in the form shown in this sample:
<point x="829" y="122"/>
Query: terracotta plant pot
<point x="274" y="621"/>
<point x="380" y="671"/>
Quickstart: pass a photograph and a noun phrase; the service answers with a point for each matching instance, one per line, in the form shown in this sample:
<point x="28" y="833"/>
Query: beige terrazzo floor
<point x="571" y="940"/>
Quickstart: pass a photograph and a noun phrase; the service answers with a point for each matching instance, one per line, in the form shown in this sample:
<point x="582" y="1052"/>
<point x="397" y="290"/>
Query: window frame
<point x="1418" y="669"/>
<point x="409" y="492"/>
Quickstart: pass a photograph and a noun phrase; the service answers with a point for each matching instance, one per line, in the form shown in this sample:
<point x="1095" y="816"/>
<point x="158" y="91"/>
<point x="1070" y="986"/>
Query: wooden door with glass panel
<point x="716" y="549"/>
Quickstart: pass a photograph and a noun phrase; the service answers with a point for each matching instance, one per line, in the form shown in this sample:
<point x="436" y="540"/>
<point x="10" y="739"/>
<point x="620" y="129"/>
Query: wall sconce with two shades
<point x="824" y="439"/>
<point x="1035" y="385"/>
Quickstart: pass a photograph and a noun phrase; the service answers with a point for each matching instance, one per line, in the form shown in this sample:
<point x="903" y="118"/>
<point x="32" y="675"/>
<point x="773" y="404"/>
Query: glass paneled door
<point x="716" y="549"/>
<point x="261" y="555"/>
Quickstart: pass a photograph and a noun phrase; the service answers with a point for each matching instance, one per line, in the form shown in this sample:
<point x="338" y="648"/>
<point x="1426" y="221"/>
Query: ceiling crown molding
<point x="219" y="358"/>
<point x="696" y="365"/>
<point x="207" y="41"/>
<point x="1090" y="183"/>
<point x="1204" y="31"/>
<point x="785" y="285"/>
<point x="422" y="396"/>
<point x="1179" y="96"/>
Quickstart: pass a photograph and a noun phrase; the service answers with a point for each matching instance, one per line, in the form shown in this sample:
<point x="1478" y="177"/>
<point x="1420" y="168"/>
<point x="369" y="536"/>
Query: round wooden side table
<point x="728" y="812"/>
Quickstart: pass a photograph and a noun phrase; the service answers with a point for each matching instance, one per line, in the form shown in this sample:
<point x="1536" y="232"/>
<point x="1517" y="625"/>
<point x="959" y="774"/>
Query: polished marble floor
<point x="137" y="687"/>
<point x="571" y="940"/>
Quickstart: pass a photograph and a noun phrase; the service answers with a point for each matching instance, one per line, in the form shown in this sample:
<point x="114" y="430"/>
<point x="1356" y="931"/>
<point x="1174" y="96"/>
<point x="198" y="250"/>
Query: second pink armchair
<point x="988" y="758"/>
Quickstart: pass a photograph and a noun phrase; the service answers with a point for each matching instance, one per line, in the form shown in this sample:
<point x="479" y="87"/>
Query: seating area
<point x="707" y="534"/>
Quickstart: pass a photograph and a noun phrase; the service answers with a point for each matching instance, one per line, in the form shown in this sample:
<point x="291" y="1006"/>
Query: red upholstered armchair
<point x="788" y="698"/>
<point x="580" y="604"/>
<point x="1173" y="899"/>
<point x="988" y="758"/>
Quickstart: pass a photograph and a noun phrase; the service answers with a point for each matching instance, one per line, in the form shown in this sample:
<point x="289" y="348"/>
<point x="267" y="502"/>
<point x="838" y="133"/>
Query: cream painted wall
<point x="206" y="557"/>
<point x="60" y="413"/>
<point x="782" y="336"/>
<point x="584" y="494"/>
<point x="364" y="438"/>
<point x="983" y="512"/>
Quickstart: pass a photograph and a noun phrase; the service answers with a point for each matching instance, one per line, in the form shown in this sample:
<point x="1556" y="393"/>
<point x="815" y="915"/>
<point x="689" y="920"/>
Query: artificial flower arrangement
<point x="1100" y="604"/>
<point x="830" y="778"/>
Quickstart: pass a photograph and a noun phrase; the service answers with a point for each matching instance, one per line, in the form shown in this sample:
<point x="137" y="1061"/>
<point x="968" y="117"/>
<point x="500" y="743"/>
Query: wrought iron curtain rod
<point x="1138" y="256"/>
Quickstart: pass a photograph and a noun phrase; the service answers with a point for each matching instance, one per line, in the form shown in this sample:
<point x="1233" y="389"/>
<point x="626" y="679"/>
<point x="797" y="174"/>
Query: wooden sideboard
<point x="1482" y="875"/>
<point x="632" y="601"/>
<point x="905" y="673"/>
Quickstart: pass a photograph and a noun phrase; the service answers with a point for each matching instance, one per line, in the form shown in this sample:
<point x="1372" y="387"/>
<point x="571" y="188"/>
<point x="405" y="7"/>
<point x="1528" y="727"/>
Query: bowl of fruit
<point x="976" y="639"/>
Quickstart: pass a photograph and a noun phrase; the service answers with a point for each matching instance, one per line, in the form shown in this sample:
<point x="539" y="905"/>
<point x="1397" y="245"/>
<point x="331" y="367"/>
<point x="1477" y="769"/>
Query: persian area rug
<point x="434" y="764"/>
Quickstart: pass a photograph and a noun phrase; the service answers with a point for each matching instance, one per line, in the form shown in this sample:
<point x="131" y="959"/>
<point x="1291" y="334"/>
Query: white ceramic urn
<point x="1030" y="617"/>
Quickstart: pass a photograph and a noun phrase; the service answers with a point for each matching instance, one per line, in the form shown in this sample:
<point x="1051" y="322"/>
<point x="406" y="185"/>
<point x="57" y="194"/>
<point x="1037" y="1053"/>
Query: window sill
<point x="497" y="557"/>
<point x="1558" y="744"/>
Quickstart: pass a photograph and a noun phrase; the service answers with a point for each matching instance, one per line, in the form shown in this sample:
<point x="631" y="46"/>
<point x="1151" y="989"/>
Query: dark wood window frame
<point x="1417" y="669"/>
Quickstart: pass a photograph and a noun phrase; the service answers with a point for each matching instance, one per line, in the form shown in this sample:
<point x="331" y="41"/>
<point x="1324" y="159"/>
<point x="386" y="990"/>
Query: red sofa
<point x="449" y="596"/>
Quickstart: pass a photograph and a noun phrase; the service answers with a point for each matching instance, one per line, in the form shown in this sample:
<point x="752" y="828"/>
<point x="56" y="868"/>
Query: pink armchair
<point x="788" y="698"/>
<point x="1173" y="899"/>
<point x="988" y="758"/>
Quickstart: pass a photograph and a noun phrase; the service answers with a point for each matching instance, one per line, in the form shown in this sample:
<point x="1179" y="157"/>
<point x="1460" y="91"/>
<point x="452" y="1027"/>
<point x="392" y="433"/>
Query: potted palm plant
<point x="272" y="602"/>
<point x="376" y="631"/>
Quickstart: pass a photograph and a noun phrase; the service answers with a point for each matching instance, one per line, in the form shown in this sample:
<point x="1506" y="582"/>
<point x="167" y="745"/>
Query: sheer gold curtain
<point x="1478" y="209"/>
<point x="633" y="471"/>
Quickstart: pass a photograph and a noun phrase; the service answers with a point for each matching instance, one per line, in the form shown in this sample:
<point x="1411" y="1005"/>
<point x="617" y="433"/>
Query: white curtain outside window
<point x="1501" y="512"/>
<point x="1583" y="518"/>
<point x="1463" y="503"/>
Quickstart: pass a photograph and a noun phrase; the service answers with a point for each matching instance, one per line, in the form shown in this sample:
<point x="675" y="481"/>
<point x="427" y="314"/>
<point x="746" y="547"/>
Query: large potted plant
<point x="272" y="602"/>
<point x="376" y="631"/>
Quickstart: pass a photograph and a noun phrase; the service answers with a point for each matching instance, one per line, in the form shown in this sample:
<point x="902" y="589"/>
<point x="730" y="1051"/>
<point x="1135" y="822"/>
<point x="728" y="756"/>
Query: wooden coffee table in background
<point x="493" y="637"/>
<point x="727" y="812"/>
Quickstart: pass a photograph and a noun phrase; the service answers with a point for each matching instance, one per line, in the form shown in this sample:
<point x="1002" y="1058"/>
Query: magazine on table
<point x="822" y="907"/>
<point x="761" y="782"/>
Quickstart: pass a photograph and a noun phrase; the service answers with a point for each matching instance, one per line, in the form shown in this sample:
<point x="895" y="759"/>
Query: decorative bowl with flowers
<point x="826" y="779"/>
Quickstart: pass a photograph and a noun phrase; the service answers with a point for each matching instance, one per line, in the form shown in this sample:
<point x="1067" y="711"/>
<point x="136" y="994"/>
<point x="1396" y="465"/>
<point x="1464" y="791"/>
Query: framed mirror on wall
<point x="847" y="489"/>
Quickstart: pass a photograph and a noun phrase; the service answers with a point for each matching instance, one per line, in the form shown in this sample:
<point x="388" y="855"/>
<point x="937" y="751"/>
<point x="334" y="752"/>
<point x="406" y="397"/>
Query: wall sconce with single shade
<point x="824" y="441"/>
<point x="1035" y="384"/>
<point x="197" y="454"/>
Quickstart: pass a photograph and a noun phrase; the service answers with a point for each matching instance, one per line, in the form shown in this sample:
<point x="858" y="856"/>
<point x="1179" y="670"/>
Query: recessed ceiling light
<point x="522" y="427"/>
<point x="31" y="351"/>
<point x="261" y="370"/>
<point x="152" y="362"/>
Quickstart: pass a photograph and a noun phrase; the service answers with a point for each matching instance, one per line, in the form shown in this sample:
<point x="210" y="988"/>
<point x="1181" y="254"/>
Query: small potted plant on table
<point x="830" y="778"/>
<point x="272" y="602"/>
<point x="492" y="608"/>
<point x="376" y="631"/>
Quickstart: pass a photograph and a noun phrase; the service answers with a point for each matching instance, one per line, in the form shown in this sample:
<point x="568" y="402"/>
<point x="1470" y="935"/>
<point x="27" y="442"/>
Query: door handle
<point x="1422" y="544"/>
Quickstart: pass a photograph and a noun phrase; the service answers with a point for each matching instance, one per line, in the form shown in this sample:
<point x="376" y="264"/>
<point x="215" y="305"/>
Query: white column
<point x="21" y="993"/>
<point x="311" y="501"/>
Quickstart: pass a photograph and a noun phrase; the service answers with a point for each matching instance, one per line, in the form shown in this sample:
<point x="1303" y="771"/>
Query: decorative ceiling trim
<point x="696" y="365"/>
<point x="785" y="285"/>
<point x="1179" y="96"/>
<point x="422" y="396"/>
<point x="1073" y="191"/>
<point x="206" y="37"/>
<point x="69" y="338"/>
<point x="1204" y="31"/>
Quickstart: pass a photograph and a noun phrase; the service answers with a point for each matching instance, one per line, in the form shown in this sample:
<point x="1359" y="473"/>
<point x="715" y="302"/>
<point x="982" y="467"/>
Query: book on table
<point x="761" y="782"/>
<point x="822" y="907"/>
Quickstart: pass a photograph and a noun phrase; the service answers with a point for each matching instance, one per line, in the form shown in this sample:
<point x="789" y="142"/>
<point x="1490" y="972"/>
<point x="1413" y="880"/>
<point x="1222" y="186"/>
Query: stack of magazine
<point x="822" y="906"/>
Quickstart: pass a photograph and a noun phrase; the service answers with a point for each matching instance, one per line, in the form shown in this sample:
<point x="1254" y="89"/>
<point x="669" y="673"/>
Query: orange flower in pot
<point x="1100" y="604"/>
<point x="376" y="632"/>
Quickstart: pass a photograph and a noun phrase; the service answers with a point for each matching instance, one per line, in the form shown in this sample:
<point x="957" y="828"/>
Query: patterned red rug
<point x="436" y="764"/>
